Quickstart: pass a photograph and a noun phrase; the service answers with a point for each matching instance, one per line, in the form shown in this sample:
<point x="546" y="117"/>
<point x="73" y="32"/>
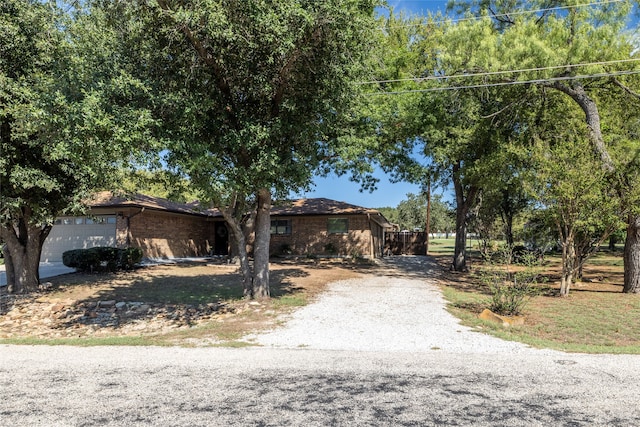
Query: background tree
<point x="412" y="212"/>
<point x="62" y="133"/>
<point x="556" y="48"/>
<point x="250" y="94"/>
<point x="574" y="190"/>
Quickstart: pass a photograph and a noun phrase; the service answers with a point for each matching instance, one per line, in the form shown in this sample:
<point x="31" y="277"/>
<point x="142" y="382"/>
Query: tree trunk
<point x="568" y="264"/>
<point x="240" y="250"/>
<point x="508" y="229"/>
<point x="460" y="251"/>
<point x="261" y="248"/>
<point x="24" y="247"/>
<point x="632" y="256"/>
<point x="463" y="205"/>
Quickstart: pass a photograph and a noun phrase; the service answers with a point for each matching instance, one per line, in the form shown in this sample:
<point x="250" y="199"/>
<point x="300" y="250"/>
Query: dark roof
<point x="106" y="199"/>
<point x="322" y="206"/>
<point x="319" y="206"/>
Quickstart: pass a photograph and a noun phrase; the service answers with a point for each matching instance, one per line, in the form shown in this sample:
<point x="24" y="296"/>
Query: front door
<point x="221" y="243"/>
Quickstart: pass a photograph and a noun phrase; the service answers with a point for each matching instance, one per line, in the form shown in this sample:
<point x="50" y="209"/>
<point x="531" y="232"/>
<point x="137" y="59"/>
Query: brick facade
<point x="165" y="235"/>
<point x="309" y="235"/>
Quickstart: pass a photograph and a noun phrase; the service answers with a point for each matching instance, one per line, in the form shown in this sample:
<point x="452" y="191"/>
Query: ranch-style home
<point x="166" y="229"/>
<point x="327" y="227"/>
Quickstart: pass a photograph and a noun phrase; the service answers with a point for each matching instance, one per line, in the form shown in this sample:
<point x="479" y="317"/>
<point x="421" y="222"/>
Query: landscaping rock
<point x="503" y="320"/>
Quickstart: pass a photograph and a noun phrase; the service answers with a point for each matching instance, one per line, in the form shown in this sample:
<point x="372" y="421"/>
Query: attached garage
<point x="78" y="233"/>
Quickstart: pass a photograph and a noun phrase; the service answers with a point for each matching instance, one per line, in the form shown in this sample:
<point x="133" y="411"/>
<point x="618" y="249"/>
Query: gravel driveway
<point x="402" y="311"/>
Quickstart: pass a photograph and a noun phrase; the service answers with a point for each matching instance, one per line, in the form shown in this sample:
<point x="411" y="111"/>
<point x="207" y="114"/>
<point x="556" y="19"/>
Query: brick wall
<point x="309" y="235"/>
<point x="162" y="235"/>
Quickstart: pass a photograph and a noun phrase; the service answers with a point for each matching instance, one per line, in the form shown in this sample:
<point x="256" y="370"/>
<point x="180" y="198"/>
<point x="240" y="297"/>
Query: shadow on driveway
<point x="47" y="269"/>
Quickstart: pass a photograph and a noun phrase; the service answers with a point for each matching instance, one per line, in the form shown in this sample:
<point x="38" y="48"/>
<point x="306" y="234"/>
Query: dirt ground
<point x="168" y="304"/>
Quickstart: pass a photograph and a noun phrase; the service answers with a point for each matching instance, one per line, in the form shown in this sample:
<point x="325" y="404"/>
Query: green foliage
<point x="68" y="119"/>
<point x="411" y="213"/>
<point x="249" y="92"/>
<point x="102" y="258"/>
<point x="511" y="291"/>
<point x="330" y="248"/>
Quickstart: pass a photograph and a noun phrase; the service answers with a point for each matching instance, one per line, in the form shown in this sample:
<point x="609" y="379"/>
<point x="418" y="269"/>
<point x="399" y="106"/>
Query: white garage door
<point x="78" y="233"/>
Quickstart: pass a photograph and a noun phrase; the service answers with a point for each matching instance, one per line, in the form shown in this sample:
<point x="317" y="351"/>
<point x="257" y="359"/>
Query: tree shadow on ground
<point x="178" y="293"/>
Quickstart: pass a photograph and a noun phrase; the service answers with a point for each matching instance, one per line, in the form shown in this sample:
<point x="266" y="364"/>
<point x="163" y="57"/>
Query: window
<point x="58" y="221"/>
<point x="67" y="221"/>
<point x="79" y="221"/>
<point x="338" y="225"/>
<point x="99" y="220"/>
<point x="111" y="220"/>
<point x="280" y="226"/>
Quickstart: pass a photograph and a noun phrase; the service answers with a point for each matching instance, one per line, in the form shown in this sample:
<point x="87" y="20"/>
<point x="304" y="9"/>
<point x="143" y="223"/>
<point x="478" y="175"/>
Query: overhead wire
<point x="510" y="83"/>
<point x="495" y="73"/>
<point x="504" y="15"/>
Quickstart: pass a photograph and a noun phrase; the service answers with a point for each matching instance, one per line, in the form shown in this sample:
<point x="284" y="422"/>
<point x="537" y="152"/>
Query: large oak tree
<point x="250" y="94"/>
<point x="62" y="121"/>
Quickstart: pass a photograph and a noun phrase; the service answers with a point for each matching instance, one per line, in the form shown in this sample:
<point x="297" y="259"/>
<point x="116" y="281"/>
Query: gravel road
<point x="377" y="351"/>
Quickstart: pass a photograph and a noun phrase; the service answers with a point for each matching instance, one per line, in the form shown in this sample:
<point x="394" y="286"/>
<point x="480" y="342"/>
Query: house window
<point x="281" y="226"/>
<point x="111" y="220"/>
<point x="338" y="226"/>
<point x="79" y="221"/>
<point x="67" y="221"/>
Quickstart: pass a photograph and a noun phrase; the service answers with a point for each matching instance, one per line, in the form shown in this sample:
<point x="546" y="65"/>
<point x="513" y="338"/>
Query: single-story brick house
<point x="324" y="226"/>
<point x="165" y="229"/>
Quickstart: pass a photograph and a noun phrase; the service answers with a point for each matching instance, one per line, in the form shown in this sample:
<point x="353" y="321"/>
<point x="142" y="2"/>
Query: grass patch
<point x="441" y="246"/>
<point x="89" y="341"/>
<point x="596" y="317"/>
<point x="296" y="300"/>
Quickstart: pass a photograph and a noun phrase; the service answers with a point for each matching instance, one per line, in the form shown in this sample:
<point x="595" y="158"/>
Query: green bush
<point x="102" y="258"/>
<point x="330" y="249"/>
<point x="511" y="291"/>
<point x="509" y="297"/>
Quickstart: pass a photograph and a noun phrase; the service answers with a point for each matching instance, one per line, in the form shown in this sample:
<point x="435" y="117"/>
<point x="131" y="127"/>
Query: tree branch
<point x="283" y="75"/>
<point x="625" y="88"/>
<point x="209" y="60"/>
<point x="592" y="118"/>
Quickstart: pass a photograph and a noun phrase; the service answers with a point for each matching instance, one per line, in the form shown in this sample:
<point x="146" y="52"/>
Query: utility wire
<point x="518" y="12"/>
<point x="512" y="83"/>
<point x="495" y="73"/>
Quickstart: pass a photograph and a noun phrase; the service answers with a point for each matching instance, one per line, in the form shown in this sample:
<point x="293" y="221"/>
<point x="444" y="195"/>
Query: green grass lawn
<point x="596" y="317"/>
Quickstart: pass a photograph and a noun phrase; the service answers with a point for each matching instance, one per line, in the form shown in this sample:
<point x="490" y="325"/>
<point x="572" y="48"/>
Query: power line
<point x="512" y="83"/>
<point x="495" y="73"/>
<point x="517" y="12"/>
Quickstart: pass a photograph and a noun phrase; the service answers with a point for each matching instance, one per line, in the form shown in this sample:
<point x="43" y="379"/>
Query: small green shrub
<point x="511" y="291"/>
<point x="330" y="248"/>
<point x="102" y="258"/>
<point x="509" y="297"/>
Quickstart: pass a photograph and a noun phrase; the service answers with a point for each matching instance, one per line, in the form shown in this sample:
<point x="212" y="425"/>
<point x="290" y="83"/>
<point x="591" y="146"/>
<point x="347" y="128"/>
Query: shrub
<point x="102" y="258"/>
<point x="330" y="249"/>
<point x="509" y="296"/>
<point x="285" y="249"/>
<point x="511" y="291"/>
